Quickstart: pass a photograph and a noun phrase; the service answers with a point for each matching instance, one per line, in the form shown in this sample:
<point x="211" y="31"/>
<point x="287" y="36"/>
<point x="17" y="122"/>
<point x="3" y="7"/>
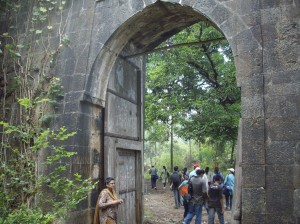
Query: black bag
<point x="186" y="198"/>
<point x="226" y="190"/>
<point x="175" y="179"/>
<point x="190" y="188"/>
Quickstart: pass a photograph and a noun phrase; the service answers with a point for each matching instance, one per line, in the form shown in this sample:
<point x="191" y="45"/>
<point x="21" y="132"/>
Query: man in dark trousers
<point x="175" y="181"/>
<point x="198" y="191"/>
<point x="216" y="200"/>
<point x="154" y="176"/>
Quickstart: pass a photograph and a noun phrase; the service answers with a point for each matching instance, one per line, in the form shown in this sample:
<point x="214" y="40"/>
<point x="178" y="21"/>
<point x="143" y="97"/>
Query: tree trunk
<point x="171" y="148"/>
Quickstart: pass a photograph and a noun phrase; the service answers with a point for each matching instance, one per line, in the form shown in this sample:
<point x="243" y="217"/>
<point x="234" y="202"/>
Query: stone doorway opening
<point x="118" y="78"/>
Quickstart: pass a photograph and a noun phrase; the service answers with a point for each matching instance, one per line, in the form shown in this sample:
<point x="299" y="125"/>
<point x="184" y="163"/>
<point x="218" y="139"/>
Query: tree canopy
<point x="194" y="86"/>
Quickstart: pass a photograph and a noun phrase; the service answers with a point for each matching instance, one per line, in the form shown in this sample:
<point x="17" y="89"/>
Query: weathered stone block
<point x="205" y="5"/>
<point x="270" y="3"/>
<point x="253" y="200"/>
<point x="253" y="128"/>
<point x="246" y="7"/>
<point x="283" y="83"/>
<point x="82" y="156"/>
<point x="248" y="63"/>
<point x="280" y="219"/>
<point x="253" y="152"/>
<point x="280" y="152"/>
<point x="296" y="175"/>
<point x="252" y="19"/>
<point x="251" y="218"/>
<point x="249" y="40"/>
<point x="220" y="14"/>
<point x="283" y="129"/>
<point x="252" y="106"/>
<point x="73" y="96"/>
<point x="253" y="176"/>
<point x="297" y="153"/>
<point x="297" y="202"/>
<point x="280" y="201"/>
<point x="279" y="177"/>
<point x="282" y="106"/>
<point x="269" y="16"/>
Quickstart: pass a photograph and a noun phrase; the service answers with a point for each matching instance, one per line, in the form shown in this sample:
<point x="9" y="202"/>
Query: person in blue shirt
<point x="229" y="185"/>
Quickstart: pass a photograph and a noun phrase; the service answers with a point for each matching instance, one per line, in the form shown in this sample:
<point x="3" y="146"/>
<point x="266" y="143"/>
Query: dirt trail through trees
<point x="159" y="207"/>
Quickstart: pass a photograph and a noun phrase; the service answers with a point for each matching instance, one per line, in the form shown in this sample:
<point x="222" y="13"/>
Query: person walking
<point x="216" y="201"/>
<point x="175" y="180"/>
<point x="154" y="177"/>
<point x="208" y="175"/>
<point x="193" y="173"/>
<point x="198" y="191"/>
<point x="183" y="187"/>
<point x="217" y="172"/>
<point x="229" y="185"/>
<point x="107" y="204"/>
<point x="184" y="174"/>
<point x="164" y="176"/>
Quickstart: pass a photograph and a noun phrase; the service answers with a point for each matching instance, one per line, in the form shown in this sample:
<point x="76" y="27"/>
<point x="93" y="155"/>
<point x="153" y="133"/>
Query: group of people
<point x="199" y="189"/>
<point x="194" y="191"/>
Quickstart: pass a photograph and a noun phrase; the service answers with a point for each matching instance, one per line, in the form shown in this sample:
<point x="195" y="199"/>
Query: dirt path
<point x="159" y="207"/>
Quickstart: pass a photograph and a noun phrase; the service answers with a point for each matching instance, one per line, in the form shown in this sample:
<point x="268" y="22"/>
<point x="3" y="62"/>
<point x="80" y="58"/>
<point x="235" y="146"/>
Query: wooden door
<point x="126" y="185"/>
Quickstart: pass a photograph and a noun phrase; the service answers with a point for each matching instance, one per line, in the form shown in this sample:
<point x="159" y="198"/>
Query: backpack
<point x="190" y="188"/>
<point x="176" y="179"/>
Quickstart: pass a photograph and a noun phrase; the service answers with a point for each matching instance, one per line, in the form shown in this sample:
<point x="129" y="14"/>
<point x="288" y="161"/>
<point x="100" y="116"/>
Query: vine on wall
<point x="29" y="88"/>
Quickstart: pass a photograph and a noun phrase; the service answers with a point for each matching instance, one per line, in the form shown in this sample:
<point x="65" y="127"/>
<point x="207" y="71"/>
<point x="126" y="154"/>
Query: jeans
<point x="228" y="199"/>
<point x="211" y="215"/>
<point x="176" y="198"/>
<point x="194" y="209"/>
<point x="186" y="209"/>
<point x="153" y="181"/>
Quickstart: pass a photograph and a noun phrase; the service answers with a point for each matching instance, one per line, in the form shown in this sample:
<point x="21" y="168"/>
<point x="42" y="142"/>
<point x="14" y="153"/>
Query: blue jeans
<point x="176" y="197"/>
<point x="228" y="199"/>
<point x="153" y="181"/>
<point x="211" y="215"/>
<point x="194" y="209"/>
<point x="186" y="209"/>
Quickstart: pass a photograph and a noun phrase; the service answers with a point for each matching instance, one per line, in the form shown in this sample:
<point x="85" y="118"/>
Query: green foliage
<point x="194" y="87"/>
<point x="24" y="195"/>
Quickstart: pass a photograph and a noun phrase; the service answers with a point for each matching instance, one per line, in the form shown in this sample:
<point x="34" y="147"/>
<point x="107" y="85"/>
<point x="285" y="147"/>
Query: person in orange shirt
<point x="183" y="187"/>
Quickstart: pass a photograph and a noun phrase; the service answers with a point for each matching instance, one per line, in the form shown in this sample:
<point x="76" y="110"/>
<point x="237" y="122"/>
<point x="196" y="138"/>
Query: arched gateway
<point x="103" y="82"/>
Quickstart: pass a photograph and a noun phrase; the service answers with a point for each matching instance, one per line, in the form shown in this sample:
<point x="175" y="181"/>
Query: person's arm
<point x="222" y="199"/>
<point x="205" y="190"/>
<point x="103" y="201"/>
<point x="225" y="181"/>
<point x="182" y="184"/>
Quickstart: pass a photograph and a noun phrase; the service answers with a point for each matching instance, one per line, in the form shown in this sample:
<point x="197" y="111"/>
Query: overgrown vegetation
<point x="28" y="193"/>
<point x="34" y="189"/>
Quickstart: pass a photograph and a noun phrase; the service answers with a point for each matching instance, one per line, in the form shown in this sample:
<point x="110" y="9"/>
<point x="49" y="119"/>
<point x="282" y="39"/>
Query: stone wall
<point x="265" y="38"/>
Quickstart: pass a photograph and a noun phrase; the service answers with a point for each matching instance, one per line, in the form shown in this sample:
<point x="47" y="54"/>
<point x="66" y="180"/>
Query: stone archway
<point x="140" y="33"/>
<point x="264" y="37"/>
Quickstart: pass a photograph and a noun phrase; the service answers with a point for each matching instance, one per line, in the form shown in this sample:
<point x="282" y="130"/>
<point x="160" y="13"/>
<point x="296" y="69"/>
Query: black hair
<point x="206" y="170"/>
<point x="164" y="168"/>
<point x="175" y="168"/>
<point x="216" y="169"/>
<point x="108" y="180"/>
<point x="199" y="172"/>
<point x="217" y="177"/>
